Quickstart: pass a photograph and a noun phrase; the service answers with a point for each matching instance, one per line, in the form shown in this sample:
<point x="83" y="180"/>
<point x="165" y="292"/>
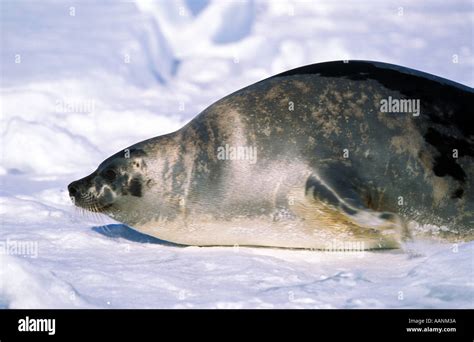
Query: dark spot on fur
<point x="369" y="202"/>
<point x="387" y="216"/>
<point x="458" y="193"/>
<point x="134" y="153"/>
<point x="135" y="187"/>
<point x="109" y="174"/>
<point x="321" y="192"/>
<point x="411" y="83"/>
<point x="447" y="166"/>
<point x="445" y="163"/>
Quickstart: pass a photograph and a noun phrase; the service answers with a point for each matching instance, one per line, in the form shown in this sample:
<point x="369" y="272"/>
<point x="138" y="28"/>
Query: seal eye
<point x="110" y="175"/>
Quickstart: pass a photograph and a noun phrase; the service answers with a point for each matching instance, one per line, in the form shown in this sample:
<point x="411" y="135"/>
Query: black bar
<point x="317" y="325"/>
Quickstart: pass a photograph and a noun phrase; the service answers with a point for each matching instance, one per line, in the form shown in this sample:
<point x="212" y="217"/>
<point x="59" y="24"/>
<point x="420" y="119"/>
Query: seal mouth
<point x="91" y="203"/>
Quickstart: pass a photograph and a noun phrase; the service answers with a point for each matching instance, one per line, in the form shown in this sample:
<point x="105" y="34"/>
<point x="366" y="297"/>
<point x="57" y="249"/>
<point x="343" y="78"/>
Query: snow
<point x="114" y="73"/>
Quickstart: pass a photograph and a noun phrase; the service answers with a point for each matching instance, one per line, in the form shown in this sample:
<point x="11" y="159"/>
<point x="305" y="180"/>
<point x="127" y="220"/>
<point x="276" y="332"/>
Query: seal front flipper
<point x="326" y="209"/>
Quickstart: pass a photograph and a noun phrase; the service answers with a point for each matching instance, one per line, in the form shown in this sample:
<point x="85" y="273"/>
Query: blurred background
<point x="81" y="80"/>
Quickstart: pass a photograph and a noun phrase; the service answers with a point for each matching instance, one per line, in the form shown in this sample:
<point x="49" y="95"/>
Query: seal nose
<point x="73" y="190"/>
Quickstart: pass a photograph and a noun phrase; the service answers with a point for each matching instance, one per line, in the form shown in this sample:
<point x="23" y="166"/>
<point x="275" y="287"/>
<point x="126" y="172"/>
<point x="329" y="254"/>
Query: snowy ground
<point x="81" y="80"/>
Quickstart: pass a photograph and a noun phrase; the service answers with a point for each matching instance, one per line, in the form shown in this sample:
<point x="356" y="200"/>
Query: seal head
<point x="117" y="180"/>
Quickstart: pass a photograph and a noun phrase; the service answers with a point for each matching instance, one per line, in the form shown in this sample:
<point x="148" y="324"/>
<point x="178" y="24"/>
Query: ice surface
<point x="115" y="73"/>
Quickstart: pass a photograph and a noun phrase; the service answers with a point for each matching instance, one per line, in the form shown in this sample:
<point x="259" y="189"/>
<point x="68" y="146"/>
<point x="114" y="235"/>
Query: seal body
<point x="359" y="154"/>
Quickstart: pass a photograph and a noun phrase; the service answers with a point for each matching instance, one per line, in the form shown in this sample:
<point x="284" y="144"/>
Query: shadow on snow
<point x="124" y="232"/>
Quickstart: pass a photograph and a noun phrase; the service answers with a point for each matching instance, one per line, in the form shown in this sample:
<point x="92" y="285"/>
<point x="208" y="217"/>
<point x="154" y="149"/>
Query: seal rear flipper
<point x="323" y="208"/>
